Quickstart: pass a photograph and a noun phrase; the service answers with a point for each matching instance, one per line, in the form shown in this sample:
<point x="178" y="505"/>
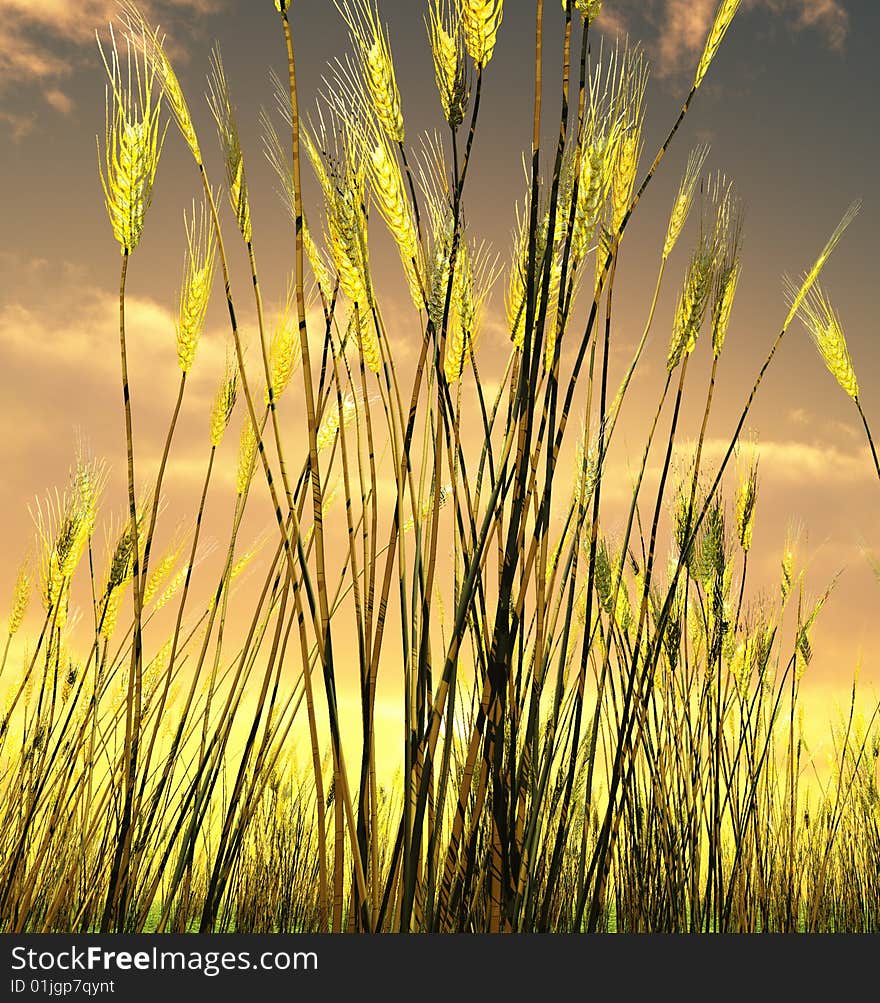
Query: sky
<point x="788" y="110"/>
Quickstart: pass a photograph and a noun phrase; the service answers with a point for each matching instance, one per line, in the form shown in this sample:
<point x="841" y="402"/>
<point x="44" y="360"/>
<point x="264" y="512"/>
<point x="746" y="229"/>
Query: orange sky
<point x="787" y="111"/>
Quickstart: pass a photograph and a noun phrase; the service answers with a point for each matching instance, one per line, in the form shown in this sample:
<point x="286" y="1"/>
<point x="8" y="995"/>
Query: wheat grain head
<point x="154" y="48"/>
<point x="373" y="46"/>
<point x="746" y="501"/>
<point x="588" y="9"/>
<point x="230" y="144"/>
<point x="723" y="16"/>
<point x="284" y="350"/>
<point x="810" y="277"/>
<point x="224" y="402"/>
<point x="21" y="594"/>
<point x="481" y="20"/>
<point x="823" y="323"/>
<point x="446" y="37"/>
<point x="133" y="140"/>
<point x="684" y="199"/>
<point x="198" y="281"/>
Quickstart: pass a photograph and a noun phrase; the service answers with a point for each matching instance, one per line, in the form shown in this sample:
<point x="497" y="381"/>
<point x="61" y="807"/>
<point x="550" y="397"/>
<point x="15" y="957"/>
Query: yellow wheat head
<point x="442" y="228"/>
<point x="155" y="671"/>
<point x="110" y="612"/>
<point x="622" y="612"/>
<point x="317" y="262"/>
<point x="89" y="478"/>
<point x="363" y="327"/>
<point x="629" y="111"/>
<point x="427" y="507"/>
<point x="391" y="199"/>
<point x="121" y="560"/>
<point x="474" y="277"/>
<point x="746" y="502"/>
<point x="160" y="573"/>
<point x="800" y="292"/>
<point x="718" y="251"/>
<point x="789" y="561"/>
<point x="133" y="140"/>
<point x="823" y="323"/>
<point x="517" y="287"/>
<point x="684" y="199"/>
<point x="119" y="574"/>
<point x="247" y="454"/>
<point x="742" y="662"/>
<point x="246" y="559"/>
<point x="230" y="144"/>
<point x="337" y="417"/>
<point x="343" y="185"/>
<point x="284" y="351"/>
<point x="172" y="588"/>
<point x="376" y="65"/>
<point x="552" y="314"/>
<point x="21" y="594"/>
<point x="224" y="402"/>
<point x="481" y="20"/>
<point x="515" y="296"/>
<point x="726" y="286"/>
<point x="460" y="325"/>
<point x="723" y="16"/>
<point x="589" y="9"/>
<point x="154" y="48"/>
<point x="729" y="268"/>
<point x="598" y="162"/>
<point x="195" y="290"/>
<point x="64" y="524"/>
<point x="586" y="470"/>
<point x="450" y="70"/>
<point x="623" y="183"/>
<point x="278" y="159"/>
<point x="692" y="304"/>
<point x="347" y="238"/>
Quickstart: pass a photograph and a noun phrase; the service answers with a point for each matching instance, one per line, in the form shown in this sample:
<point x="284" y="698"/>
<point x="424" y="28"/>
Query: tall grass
<point x="600" y="730"/>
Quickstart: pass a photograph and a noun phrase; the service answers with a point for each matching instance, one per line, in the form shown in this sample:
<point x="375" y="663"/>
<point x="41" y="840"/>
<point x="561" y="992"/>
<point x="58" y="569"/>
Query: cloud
<point x="19" y="125"/>
<point x="59" y="353"/>
<point x="683" y="31"/>
<point x="60" y="377"/>
<point x="793" y="462"/>
<point x="828" y="16"/>
<point x="613" y="22"/>
<point x="681" y="26"/>
<point x="54" y="322"/>
<point x="60" y="101"/>
<point x="39" y="41"/>
<point x="77" y="22"/>
<point x="78" y="337"/>
<point x="786" y="467"/>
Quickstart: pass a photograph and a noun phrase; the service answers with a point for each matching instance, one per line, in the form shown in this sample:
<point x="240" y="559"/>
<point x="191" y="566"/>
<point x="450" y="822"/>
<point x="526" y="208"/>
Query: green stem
<point x="114" y="909"/>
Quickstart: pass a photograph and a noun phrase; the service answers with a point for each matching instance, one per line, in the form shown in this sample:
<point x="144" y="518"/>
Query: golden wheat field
<point x="423" y="585"/>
